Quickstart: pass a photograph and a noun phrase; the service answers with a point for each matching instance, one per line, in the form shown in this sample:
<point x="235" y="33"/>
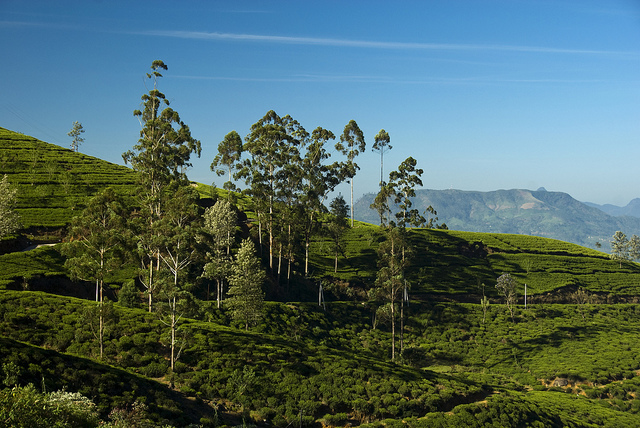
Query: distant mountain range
<point x="632" y="209"/>
<point x="541" y="213"/>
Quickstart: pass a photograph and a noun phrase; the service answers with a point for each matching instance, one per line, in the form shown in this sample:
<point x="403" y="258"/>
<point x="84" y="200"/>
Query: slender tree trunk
<point x="259" y="232"/>
<point x="306" y="256"/>
<point x="307" y="244"/>
<point x="381" y="165"/>
<point x="351" y="201"/>
<point x="270" y="225"/>
<point x="402" y="325"/>
<point x="393" y="330"/>
<point x="279" y="263"/>
<point x="101" y="312"/>
<point x="101" y="328"/>
<point x="219" y="285"/>
<point x="173" y="333"/>
<point x="150" y="285"/>
<point x="289" y="255"/>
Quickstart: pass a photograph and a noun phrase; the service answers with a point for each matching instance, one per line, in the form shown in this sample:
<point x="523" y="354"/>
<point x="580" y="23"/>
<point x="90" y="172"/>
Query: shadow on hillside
<point x="366" y="260"/>
<point x="113" y="386"/>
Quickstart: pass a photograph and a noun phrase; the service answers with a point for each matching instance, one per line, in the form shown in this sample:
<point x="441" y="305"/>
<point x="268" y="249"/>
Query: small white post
<point x="525" y="296"/>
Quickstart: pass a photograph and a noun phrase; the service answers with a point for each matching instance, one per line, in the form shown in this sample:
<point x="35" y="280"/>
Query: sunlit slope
<point x="458" y="263"/>
<point x="54" y="183"/>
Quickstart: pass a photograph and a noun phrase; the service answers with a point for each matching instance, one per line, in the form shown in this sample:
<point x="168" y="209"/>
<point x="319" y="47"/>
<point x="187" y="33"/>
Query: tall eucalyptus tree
<point x="337" y="225"/>
<point x="160" y="157"/>
<point x="382" y="145"/>
<point x="403" y="181"/>
<point x="271" y="147"/>
<point x="351" y="144"/>
<point x="97" y="239"/>
<point x="76" y="139"/>
<point x="247" y="298"/>
<point x="180" y="228"/>
<point x="320" y="179"/>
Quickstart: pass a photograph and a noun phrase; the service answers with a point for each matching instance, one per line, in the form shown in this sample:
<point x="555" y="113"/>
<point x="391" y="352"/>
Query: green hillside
<point x="456" y="263"/>
<point x="54" y="183"/>
<point x="571" y="357"/>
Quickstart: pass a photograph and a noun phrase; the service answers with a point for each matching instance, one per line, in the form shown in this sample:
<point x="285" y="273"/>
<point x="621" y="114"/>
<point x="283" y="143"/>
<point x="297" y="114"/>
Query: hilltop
<point x="540" y="213"/>
<point x="53" y="182"/>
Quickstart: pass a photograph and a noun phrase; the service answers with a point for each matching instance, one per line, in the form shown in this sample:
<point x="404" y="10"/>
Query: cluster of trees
<point x="623" y="248"/>
<point x="166" y="235"/>
<point x="289" y="178"/>
<point x="174" y="244"/>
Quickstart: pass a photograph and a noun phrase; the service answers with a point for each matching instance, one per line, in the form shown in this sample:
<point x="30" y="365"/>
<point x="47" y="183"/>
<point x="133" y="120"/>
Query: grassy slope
<point x="456" y="263"/>
<point x="333" y="362"/>
<point x="54" y="183"/>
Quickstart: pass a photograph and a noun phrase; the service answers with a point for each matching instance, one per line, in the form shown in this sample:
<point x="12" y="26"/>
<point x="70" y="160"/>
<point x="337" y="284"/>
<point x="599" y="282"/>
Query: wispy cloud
<point x="297" y="78"/>
<point x="473" y="80"/>
<point x="334" y="42"/>
<point x="314" y="41"/>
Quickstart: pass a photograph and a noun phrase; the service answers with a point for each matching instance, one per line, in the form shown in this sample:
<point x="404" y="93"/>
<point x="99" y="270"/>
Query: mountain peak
<point x="541" y="213"/>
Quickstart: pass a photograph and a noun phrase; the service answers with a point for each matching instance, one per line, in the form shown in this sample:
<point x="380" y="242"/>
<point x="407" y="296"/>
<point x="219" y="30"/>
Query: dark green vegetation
<point x="540" y="213"/>
<point x="569" y="359"/>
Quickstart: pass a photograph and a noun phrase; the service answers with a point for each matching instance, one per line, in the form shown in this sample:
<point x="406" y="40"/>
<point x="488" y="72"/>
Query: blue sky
<point x="485" y="94"/>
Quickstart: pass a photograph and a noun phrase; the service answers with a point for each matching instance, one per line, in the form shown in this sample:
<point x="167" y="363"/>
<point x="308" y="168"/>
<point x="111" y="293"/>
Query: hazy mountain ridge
<point x="632" y="209"/>
<point x="540" y="213"/>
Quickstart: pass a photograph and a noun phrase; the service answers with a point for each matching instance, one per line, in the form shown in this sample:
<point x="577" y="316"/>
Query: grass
<point x="54" y="183"/>
<point x="19" y="268"/>
<point x="332" y="365"/>
<point x="456" y="263"/>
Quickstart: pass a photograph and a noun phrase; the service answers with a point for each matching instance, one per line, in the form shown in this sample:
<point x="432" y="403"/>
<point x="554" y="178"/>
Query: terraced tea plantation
<point x="53" y="182"/>
<point x="456" y="263"/>
<point x="570" y="357"/>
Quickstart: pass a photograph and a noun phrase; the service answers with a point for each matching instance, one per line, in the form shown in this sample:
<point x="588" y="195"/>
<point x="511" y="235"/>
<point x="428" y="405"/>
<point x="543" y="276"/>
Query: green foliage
<point x="506" y="286"/>
<point x="229" y="154"/>
<point x="462" y="365"/>
<point x="26" y="407"/>
<point x="245" y="285"/>
<point x="76" y="131"/>
<point x="351" y="144"/>
<point x="337" y="225"/>
<point x="97" y="238"/>
<point x="620" y="247"/>
<point x="9" y="220"/>
<point x="332" y="363"/>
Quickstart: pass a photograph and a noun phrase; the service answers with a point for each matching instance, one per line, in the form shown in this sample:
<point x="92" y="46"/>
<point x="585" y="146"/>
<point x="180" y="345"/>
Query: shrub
<point x="155" y="369"/>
